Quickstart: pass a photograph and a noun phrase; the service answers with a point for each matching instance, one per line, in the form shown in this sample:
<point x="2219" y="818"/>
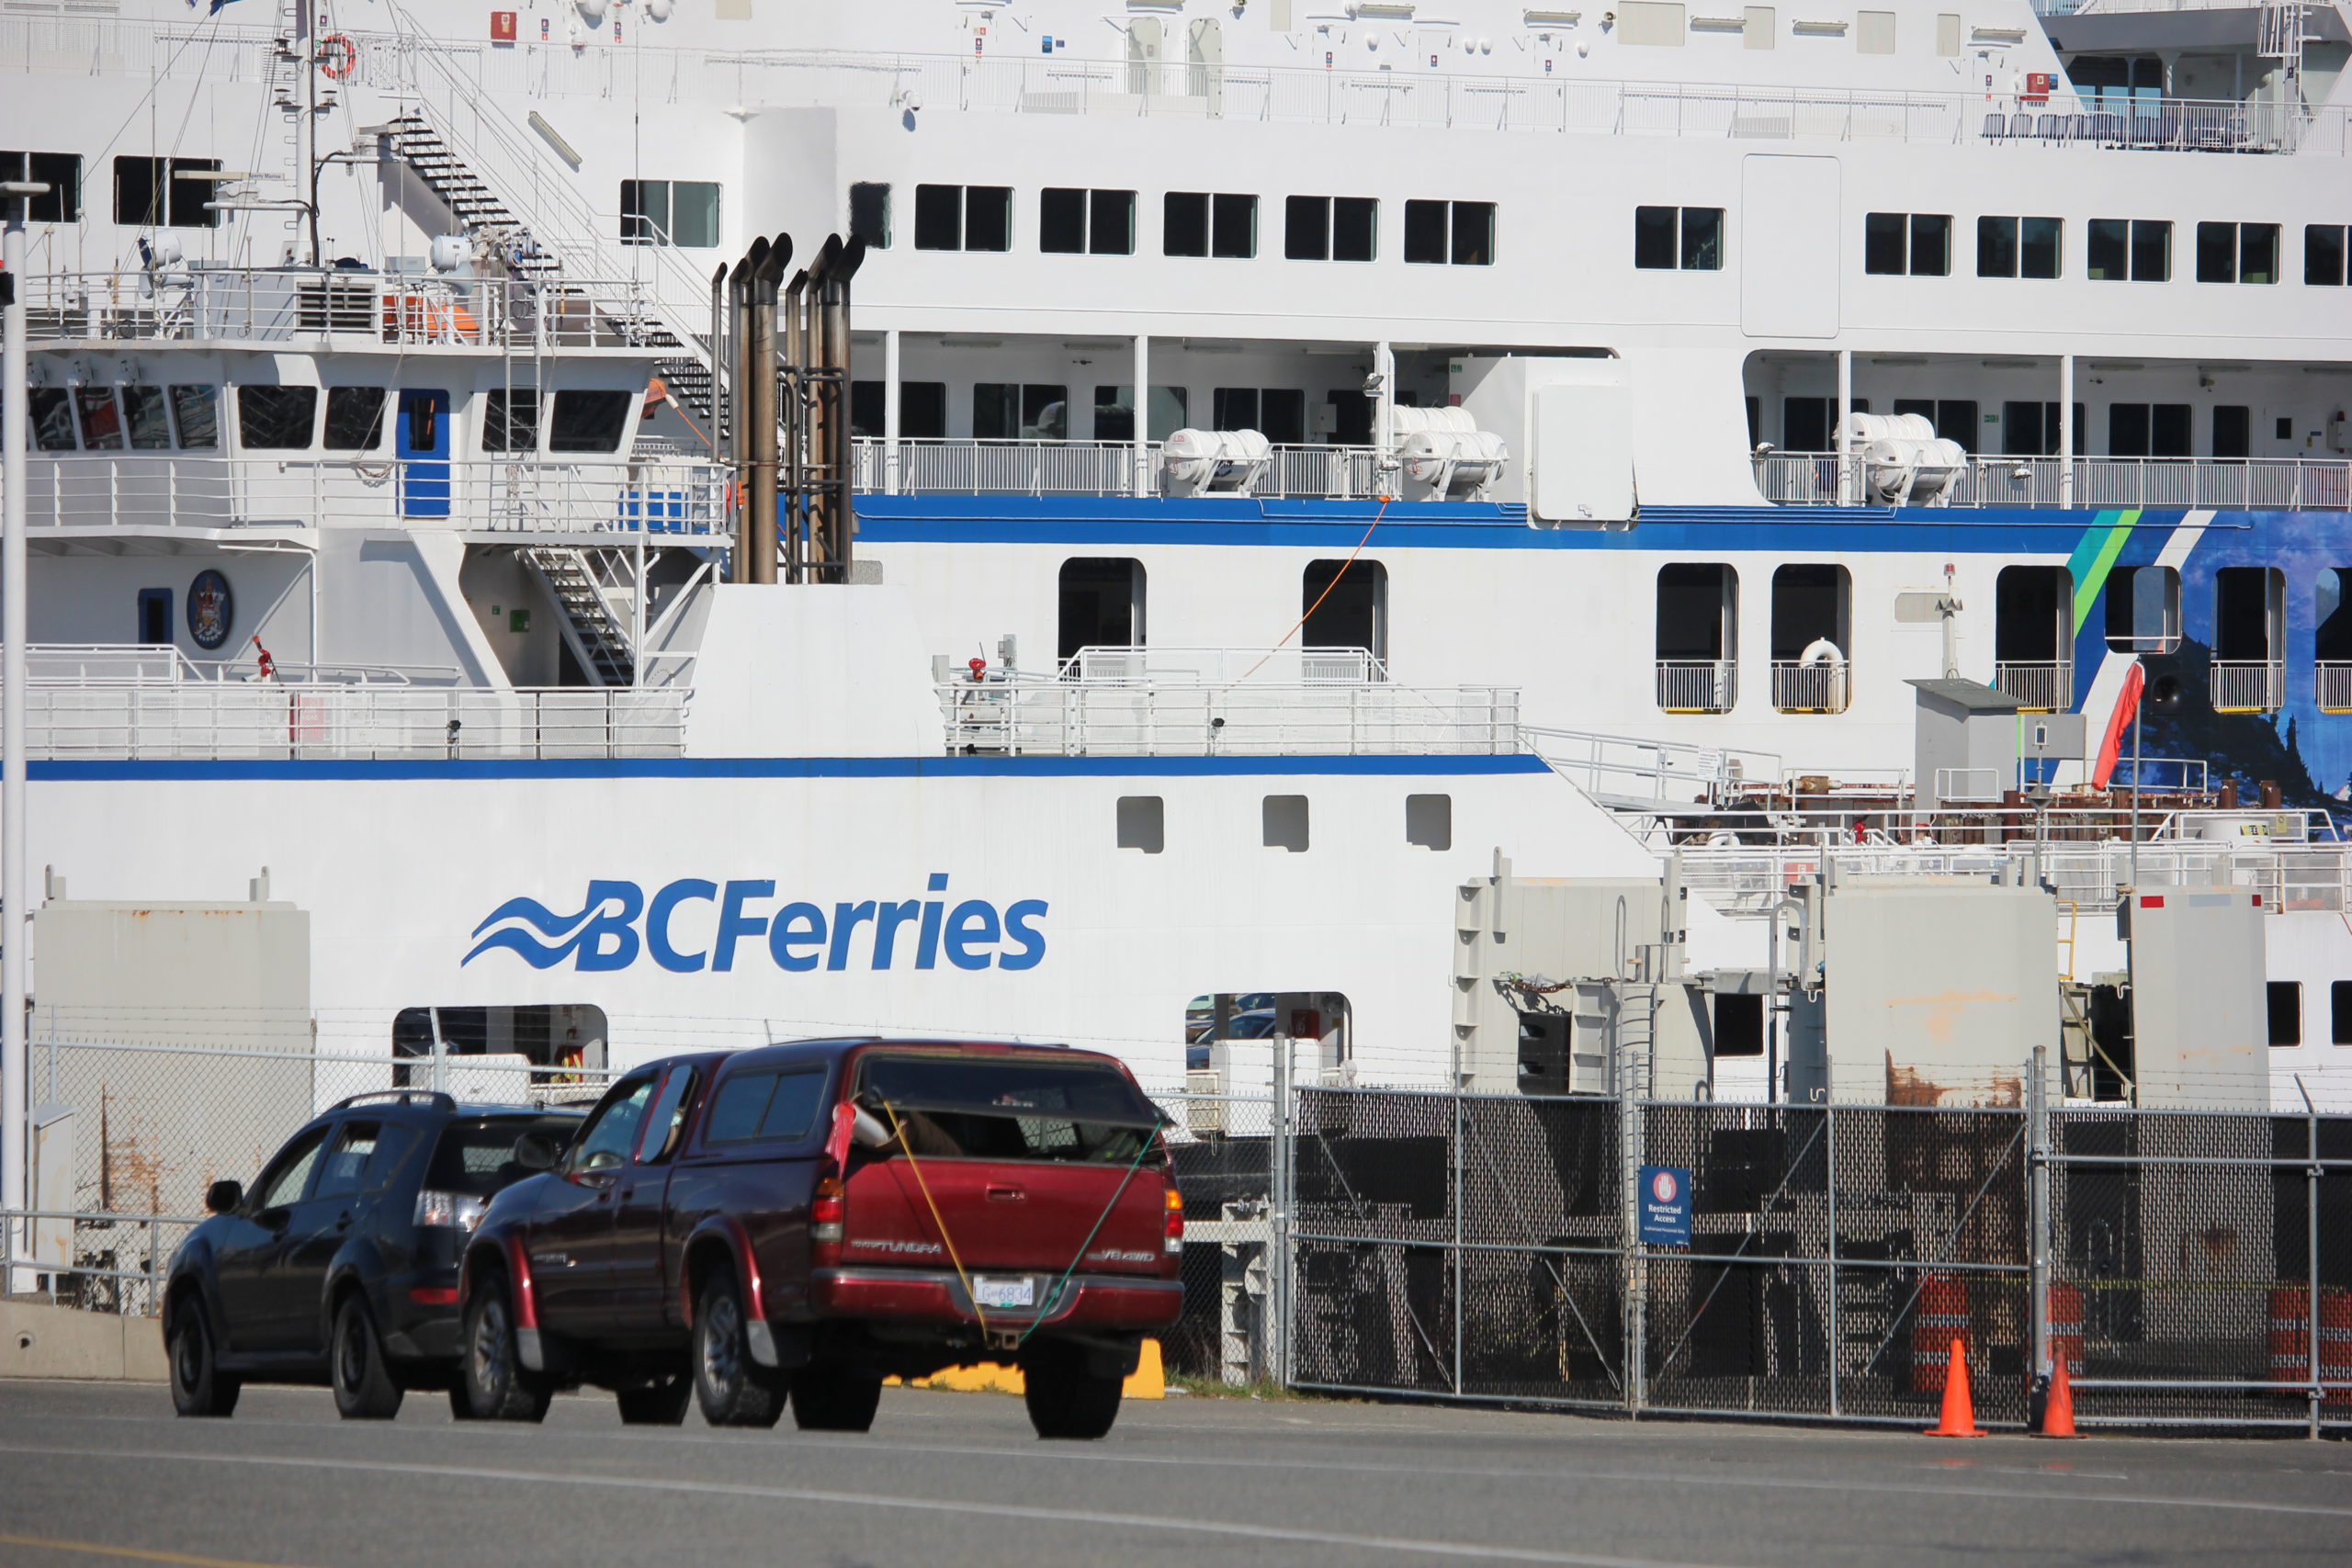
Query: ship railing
<point x="1799" y="687"/>
<point x="2047" y="687"/>
<point x="96" y="490"/>
<point x="273" y="721"/>
<point x="338" y="307"/>
<point x="1131" y="666"/>
<point x="2248" y="685"/>
<point x="960" y="465"/>
<point x="1703" y="685"/>
<point x="2258" y="484"/>
<point x="1040" y="716"/>
<point x="1638" y="771"/>
<point x="57" y="665"/>
<point x="2333" y="679"/>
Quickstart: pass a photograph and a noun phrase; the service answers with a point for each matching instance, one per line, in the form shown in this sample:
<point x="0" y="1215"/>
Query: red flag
<point x="2127" y="707"/>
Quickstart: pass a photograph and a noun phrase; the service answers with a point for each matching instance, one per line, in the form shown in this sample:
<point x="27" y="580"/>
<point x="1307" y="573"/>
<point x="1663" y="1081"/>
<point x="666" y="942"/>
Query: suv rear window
<point x="984" y="1109"/>
<point x="477" y="1158"/>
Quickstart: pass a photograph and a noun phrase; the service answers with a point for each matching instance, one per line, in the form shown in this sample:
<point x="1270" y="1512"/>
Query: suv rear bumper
<point x="1102" y="1300"/>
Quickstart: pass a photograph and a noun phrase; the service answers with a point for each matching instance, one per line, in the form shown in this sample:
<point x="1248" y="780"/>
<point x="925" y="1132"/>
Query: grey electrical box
<point x="2200" y="1020"/>
<point x="1964" y="743"/>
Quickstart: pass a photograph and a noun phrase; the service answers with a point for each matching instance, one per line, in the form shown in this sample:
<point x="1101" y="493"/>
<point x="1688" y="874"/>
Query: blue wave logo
<point x="617" y="922"/>
<point x="611" y="911"/>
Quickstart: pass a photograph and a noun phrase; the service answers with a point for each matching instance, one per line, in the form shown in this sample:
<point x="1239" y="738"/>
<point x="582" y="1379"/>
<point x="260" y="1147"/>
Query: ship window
<point x="1143" y="823"/>
<point x="866" y="400"/>
<point x="922" y="410"/>
<point x="2332" y="641"/>
<point x="2233" y="431"/>
<point x="2032" y="615"/>
<point x="589" y="422"/>
<point x="2030" y="430"/>
<point x="1009" y="411"/>
<point x="2144" y="609"/>
<point x="1114" y="414"/>
<point x="963" y="217"/>
<point x="1195" y="223"/>
<point x="1874" y="32"/>
<point x="1283" y="820"/>
<point x="192" y="411"/>
<point x="61" y="172"/>
<point x="1346" y="605"/>
<point x="1697" y="621"/>
<point x="154" y="615"/>
<point x="2249" y="614"/>
<point x="1812" y="638"/>
<point x="869" y="214"/>
<point x="52" y="419"/>
<point x="510" y="420"/>
<point x="939" y="218"/>
<point x="1918" y="243"/>
<point x="143" y="411"/>
<point x="1279" y="413"/>
<point x="1953" y="418"/>
<point x="670" y="212"/>
<point x="355" y="419"/>
<point x="1807" y="424"/>
<point x="2286" y="1008"/>
<point x="2147" y="430"/>
<point x="2324" y="252"/>
<point x="1101" y="604"/>
<point x="276" y="419"/>
<point x="1184" y="223"/>
<point x="149" y="194"/>
<point x="1461" y="233"/>
<point x="2339" y="1012"/>
<point x="1331" y="227"/>
<point x="1098" y="222"/>
<point x="1428" y="821"/>
<point x="2136" y="250"/>
<point x="101" y="421"/>
<point x="2237" y="252"/>
<point x="1739" y="1023"/>
<point x="2018" y="247"/>
<point x="1687" y="238"/>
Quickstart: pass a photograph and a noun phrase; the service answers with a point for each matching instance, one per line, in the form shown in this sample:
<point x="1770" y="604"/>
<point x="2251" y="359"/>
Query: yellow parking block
<point x="1148" y="1380"/>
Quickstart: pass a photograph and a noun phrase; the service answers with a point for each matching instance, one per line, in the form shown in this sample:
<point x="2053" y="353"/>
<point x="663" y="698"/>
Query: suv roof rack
<point x="433" y="1097"/>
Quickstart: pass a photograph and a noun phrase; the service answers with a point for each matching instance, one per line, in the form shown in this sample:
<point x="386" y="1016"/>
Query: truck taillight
<point x="1175" y="1201"/>
<point x="827" y="1210"/>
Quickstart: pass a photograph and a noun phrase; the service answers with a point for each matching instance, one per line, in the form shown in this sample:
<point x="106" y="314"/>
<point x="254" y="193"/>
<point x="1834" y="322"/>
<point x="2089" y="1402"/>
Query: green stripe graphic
<point x="2094" y="558"/>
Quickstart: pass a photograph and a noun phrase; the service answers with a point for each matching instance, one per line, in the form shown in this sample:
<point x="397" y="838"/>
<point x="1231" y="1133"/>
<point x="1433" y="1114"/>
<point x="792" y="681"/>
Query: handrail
<point x="2263" y="484"/>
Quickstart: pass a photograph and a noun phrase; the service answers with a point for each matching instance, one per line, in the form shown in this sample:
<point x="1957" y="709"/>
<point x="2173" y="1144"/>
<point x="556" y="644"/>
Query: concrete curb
<point x="40" y="1341"/>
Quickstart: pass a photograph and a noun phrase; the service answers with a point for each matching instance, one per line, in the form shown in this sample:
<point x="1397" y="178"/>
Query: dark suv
<point x="340" y="1265"/>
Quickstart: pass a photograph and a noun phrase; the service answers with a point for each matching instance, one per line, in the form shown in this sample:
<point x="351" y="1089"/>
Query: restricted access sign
<point x="1665" y="1204"/>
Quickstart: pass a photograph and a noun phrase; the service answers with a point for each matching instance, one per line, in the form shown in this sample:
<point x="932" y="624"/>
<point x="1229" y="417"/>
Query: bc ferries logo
<point x="617" y="922"/>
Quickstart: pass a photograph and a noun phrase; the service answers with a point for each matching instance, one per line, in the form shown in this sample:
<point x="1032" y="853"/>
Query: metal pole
<point x="891" y="372"/>
<point x="1839" y="436"/>
<point x="15" y="1062"/>
<point x="2038" y="1171"/>
<point x="1460" y="1283"/>
<point x="2310" y="1253"/>
<point x="2139" y="718"/>
<point x="1142" y="413"/>
<point x="1830" y="1136"/>
<point x="1633" y="1279"/>
<point x="1282" y="1156"/>
<point x="2066" y="435"/>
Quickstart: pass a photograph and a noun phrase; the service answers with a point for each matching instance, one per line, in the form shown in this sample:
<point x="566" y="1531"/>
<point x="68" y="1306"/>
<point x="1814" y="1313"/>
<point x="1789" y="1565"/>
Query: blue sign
<point x="1665" y="1204"/>
<point x="617" y="922"/>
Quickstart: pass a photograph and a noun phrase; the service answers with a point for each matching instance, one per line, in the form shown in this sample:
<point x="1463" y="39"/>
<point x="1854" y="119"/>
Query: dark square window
<point x="2127" y="430"/>
<point x="148" y="193"/>
<point x="1654" y="235"/>
<point x="1739" y="1024"/>
<point x="1474" y="233"/>
<point x="1703" y="239"/>
<point x="355" y="419"/>
<point x="586" y="421"/>
<point x="988" y="218"/>
<point x="2040" y="243"/>
<point x="2150" y="252"/>
<point x="939" y="218"/>
<point x="1306" y="229"/>
<point x="2286" y="1008"/>
<point x="276" y="419"/>
<point x="1930" y="245"/>
<point x="2168" y="426"/>
<point x="61" y="172"/>
<point x="510" y="420"/>
<point x="1115" y="417"/>
<point x="1044" y="413"/>
<point x="2324" y="254"/>
<point x="2339" y="1012"/>
<point x="1061" y="222"/>
<point x="2217" y="253"/>
<point x="1355" y="227"/>
<point x="51" y="416"/>
<point x="143" y="411"/>
<point x="869" y="214"/>
<point x="2111" y="246"/>
<point x="192" y="411"/>
<point x="2257" y="253"/>
<point x="1235" y="229"/>
<point x="922" y="410"/>
<point x="865" y="407"/>
<point x="1110" y="222"/>
<point x="1884" y="242"/>
<point x="2233" y="431"/>
<point x="1804" y="425"/>
<point x="996" y="411"/>
<point x="1184" y="223"/>
<point x="1282" y="415"/>
<point x="1425" y="231"/>
<point x="1996" y="247"/>
<point x="1234" y="408"/>
<point x="1956" y="421"/>
<point x="2285" y="428"/>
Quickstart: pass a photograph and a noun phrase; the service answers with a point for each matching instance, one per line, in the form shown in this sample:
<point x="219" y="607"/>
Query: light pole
<point x="14" y="1061"/>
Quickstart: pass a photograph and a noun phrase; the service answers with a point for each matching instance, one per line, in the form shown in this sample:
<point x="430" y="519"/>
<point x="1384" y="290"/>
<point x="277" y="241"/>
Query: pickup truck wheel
<point x="1066" y="1399"/>
<point x="363" y="1389"/>
<point x="497" y="1385"/>
<point x="833" y="1399"/>
<point x="198" y="1385"/>
<point x="658" y="1403"/>
<point x="733" y="1389"/>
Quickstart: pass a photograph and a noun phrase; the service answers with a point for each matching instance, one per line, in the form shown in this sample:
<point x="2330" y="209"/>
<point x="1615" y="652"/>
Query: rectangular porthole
<point x="1284" y="823"/>
<point x="1143" y="823"/>
<point x="1428" y="821"/>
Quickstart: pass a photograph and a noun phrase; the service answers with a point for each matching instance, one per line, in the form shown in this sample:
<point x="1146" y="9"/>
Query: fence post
<point x="2310" y="1253"/>
<point x="1829" y="1137"/>
<point x="1285" y="1156"/>
<point x="1460" y="1279"/>
<point x="2036" y="1111"/>
<point x="1635" y="1276"/>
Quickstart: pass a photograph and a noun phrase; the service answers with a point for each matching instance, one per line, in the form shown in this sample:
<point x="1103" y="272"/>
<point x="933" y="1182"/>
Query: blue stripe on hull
<point x="784" y="768"/>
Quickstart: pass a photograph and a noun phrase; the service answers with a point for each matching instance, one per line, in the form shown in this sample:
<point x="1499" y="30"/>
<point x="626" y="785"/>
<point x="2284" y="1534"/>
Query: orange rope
<point x="899" y="1132"/>
<point x="1309" y="614"/>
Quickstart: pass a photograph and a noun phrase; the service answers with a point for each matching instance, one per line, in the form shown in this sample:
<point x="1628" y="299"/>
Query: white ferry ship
<point x="1287" y="459"/>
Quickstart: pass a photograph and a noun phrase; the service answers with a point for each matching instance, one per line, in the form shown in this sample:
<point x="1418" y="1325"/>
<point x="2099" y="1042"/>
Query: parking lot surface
<point x="92" y="1473"/>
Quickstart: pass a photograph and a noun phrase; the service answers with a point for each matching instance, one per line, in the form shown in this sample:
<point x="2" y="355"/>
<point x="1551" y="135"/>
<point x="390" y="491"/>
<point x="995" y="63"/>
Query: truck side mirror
<point x="224" y="1197"/>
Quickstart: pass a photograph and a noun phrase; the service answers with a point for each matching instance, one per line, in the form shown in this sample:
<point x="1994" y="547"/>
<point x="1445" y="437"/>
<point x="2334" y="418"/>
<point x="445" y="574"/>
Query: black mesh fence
<point x="1223" y="1147"/>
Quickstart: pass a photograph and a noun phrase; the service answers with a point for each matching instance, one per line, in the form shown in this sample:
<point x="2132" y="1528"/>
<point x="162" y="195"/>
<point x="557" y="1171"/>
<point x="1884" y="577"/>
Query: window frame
<point x="62" y="172"/>
<point x="872" y="225"/>
<point x="2342" y="243"/>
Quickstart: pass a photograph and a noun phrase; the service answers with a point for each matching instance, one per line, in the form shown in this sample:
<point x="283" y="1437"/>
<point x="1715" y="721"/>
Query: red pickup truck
<point x="799" y="1222"/>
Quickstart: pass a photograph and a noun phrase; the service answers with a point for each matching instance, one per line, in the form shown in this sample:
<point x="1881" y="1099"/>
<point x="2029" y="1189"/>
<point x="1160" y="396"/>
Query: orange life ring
<point x="338" y="56"/>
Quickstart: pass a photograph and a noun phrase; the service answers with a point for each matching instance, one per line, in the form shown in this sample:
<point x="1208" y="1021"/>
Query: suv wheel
<point x="497" y="1385"/>
<point x="662" y="1403"/>
<point x="827" y="1397"/>
<point x="198" y="1385"/>
<point x="734" y="1390"/>
<point x="363" y="1389"/>
<point x="1065" y="1398"/>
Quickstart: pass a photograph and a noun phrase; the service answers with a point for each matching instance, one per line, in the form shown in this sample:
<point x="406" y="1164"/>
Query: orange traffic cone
<point x="1960" y="1408"/>
<point x="2058" y="1409"/>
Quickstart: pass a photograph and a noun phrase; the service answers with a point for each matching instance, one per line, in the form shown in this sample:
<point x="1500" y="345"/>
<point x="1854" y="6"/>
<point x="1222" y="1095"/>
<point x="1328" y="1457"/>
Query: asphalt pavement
<point x="96" y="1474"/>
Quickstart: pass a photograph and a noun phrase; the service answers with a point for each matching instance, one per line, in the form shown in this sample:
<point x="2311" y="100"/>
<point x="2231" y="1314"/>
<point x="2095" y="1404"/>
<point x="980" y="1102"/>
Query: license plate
<point x="1018" y="1291"/>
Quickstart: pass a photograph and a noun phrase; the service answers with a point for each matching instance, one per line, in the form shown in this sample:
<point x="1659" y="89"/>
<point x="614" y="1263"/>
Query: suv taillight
<point x="827" y="1210"/>
<point x="1175" y="1202"/>
<point x="449" y="1209"/>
